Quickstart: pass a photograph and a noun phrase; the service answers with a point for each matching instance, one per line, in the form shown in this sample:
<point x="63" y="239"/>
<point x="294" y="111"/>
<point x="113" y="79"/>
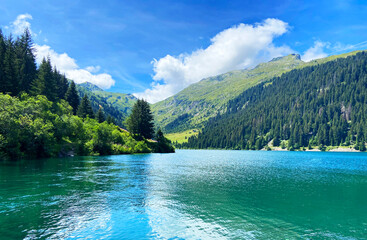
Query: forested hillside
<point x="193" y="106"/>
<point x="321" y="105"/>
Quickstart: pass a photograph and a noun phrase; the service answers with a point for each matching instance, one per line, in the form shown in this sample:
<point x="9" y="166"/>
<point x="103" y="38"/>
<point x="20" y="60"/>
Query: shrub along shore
<point x="33" y="127"/>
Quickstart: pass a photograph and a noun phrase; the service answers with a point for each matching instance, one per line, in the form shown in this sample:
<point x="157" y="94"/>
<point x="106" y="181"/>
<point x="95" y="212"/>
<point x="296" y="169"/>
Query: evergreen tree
<point x="2" y="56"/>
<point x="45" y="83"/>
<point x="10" y="83"/>
<point x="85" y="108"/>
<point x="62" y="86"/>
<point x="100" y="116"/>
<point x="27" y="68"/>
<point x="140" y="121"/>
<point x="72" y="97"/>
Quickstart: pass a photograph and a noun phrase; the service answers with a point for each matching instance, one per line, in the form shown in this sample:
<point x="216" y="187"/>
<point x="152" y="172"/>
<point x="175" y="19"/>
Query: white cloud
<point x="93" y="69"/>
<point x="237" y="47"/>
<point x="21" y="22"/>
<point x="316" y="51"/>
<point x="65" y="64"/>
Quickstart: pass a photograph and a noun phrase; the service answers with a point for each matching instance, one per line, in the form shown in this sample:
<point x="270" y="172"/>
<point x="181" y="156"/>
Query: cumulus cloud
<point x="238" y="47"/>
<point x="65" y="64"/>
<point x="316" y="51"/>
<point x="20" y="23"/>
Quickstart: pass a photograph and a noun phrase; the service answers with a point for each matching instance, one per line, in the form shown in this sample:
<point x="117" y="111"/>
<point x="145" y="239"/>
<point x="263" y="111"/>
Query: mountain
<point x="200" y="101"/>
<point x="315" y="106"/>
<point x="90" y="87"/>
<point x="193" y="106"/>
<point x="116" y="105"/>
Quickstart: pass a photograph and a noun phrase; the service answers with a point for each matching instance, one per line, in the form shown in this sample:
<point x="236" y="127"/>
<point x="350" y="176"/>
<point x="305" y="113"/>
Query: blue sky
<point x="114" y="43"/>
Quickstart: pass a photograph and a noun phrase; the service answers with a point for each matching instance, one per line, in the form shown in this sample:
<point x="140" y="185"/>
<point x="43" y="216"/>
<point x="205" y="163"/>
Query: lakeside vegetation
<point x="43" y="115"/>
<point x="317" y="106"/>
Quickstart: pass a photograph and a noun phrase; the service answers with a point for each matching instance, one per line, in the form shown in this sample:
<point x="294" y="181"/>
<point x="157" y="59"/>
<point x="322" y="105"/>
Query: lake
<point x="192" y="194"/>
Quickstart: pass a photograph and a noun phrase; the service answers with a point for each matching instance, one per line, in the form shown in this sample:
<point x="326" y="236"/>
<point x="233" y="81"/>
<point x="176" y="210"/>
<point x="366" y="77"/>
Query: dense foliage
<point x="36" y="127"/>
<point x="322" y="105"/>
<point x="140" y="121"/>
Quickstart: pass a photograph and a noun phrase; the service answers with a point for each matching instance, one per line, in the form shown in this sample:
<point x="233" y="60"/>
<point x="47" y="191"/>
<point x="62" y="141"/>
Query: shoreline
<point x="334" y="149"/>
<point x="279" y="149"/>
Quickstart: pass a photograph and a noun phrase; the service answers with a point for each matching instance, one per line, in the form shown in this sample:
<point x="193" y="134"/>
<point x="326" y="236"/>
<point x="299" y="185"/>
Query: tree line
<point x="317" y="106"/>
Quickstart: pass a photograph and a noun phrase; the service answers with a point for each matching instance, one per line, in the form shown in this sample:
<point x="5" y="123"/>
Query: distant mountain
<point x="319" y="106"/>
<point x="116" y="105"/>
<point x="193" y="106"/>
<point x="90" y="87"/>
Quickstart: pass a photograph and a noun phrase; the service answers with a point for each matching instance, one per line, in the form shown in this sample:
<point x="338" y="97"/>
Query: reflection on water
<point x="187" y="195"/>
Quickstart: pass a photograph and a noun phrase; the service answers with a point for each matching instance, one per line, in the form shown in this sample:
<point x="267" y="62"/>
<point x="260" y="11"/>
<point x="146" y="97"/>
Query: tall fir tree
<point x="45" y="83"/>
<point x="51" y="82"/>
<point x="140" y="121"/>
<point x="10" y="81"/>
<point x="85" y="108"/>
<point x="72" y="97"/>
<point x="26" y="63"/>
<point x="2" y="56"/>
<point x="62" y="86"/>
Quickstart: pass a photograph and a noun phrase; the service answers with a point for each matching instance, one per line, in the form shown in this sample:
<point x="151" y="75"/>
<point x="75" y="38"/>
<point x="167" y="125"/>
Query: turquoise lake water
<point x="192" y="194"/>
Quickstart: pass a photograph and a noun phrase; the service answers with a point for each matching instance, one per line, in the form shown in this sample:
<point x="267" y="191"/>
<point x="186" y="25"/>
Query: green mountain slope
<point x="316" y="106"/>
<point x="116" y="105"/>
<point x="200" y="101"/>
<point x="194" y="105"/>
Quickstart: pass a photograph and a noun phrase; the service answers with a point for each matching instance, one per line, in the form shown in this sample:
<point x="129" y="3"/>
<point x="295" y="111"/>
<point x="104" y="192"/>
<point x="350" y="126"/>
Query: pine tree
<point x="100" y="116"/>
<point x="72" y="97"/>
<point x="10" y="82"/>
<point x="140" y="121"/>
<point x="27" y="69"/>
<point x="51" y="91"/>
<point x="2" y="56"/>
<point x="45" y="83"/>
<point x="85" y="108"/>
<point x="62" y="86"/>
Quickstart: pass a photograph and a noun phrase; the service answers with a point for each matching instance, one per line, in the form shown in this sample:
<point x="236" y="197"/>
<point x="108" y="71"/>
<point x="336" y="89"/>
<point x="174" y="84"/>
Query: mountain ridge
<point x="205" y="99"/>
